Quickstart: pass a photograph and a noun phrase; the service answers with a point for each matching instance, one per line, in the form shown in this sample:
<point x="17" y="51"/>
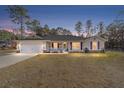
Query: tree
<point x="66" y="32"/>
<point x="78" y="28"/>
<point x="53" y="31"/>
<point x="63" y="31"/>
<point x="46" y="29"/>
<point x="89" y="28"/>
<point x="59" y="30"/>
<point x="101" y="27"/>
<point x="116" y="35"/>
<point x="116" y="32"/>
<point x="33" y="25"/>
<point x="6" y="35"/>
<point x="18" y="15"/>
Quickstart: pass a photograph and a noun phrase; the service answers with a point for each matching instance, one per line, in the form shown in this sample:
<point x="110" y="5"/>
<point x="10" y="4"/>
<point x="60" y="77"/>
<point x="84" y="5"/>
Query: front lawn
<point x="66" y="70"/>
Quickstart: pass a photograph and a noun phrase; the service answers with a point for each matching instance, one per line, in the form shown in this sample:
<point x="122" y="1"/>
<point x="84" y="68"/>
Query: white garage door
<point x="31" y="48"/>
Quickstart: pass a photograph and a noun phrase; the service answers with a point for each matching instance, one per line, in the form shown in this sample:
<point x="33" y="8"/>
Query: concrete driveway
<point x="7" y="60"/>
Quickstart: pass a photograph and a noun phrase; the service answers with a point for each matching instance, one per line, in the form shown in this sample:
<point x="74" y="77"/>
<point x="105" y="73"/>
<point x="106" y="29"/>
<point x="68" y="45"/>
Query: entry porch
<point x="63" y="46"/>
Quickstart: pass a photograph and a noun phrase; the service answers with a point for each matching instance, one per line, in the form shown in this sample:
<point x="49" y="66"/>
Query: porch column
<point x="51" y="45"/>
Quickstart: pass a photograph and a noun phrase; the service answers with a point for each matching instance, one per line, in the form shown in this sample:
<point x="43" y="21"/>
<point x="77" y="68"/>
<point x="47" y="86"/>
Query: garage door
<point x="29" y="48"/>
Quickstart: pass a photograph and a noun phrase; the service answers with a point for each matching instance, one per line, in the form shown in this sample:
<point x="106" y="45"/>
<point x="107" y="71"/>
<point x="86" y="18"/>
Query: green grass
<point x="66" y="70"/>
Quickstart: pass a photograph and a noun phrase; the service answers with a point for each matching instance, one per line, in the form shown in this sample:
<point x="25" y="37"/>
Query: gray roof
<point x="58" y="38"/>
<point x="31" y="38"/>
<point x="97" y="36"/>
<point x="62" y="38"/>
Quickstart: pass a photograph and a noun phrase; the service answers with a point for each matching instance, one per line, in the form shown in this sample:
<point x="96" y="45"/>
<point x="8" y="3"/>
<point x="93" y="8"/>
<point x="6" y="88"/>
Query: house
<point x="60" y="43"/>
<point x="2" y="43"/>
<point x="7" y="44"/>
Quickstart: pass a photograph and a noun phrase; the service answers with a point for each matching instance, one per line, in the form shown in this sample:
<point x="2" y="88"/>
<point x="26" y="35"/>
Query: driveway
<point x="7" y="60"/>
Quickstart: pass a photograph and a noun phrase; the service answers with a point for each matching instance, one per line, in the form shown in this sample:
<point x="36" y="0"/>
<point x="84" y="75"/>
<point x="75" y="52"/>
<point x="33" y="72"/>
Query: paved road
<point x="7" y="60"/>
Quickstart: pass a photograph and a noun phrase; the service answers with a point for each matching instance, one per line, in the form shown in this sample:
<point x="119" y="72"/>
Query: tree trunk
<point x="21" y="34"/>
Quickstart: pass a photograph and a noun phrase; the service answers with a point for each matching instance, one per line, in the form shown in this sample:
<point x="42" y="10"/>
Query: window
<point x="59" y="45"/>
<point x="65" y="45"/>
<point x="76" y="45"/>
<point x="55" y="45"/>
<point x="94" y="45"/>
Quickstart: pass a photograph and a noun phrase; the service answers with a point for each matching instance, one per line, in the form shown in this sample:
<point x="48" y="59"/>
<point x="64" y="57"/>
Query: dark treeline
<point x="116" y="35"/>
<point x="34" y="25"/>
<point x="45" y="30"/>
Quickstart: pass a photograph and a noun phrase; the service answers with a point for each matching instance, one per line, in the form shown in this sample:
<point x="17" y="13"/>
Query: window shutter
<point x="52" y="45"/>
<point x="58" y="45"/>
<point x="70" y="45"/>
<point x="81" y="45"/>
<point x="91" y="45"/>
<point x="98" y="45"/>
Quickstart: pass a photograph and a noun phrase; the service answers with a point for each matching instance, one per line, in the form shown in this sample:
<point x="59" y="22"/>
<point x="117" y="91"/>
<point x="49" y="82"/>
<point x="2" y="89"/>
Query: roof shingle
<point x="62" y="38"/>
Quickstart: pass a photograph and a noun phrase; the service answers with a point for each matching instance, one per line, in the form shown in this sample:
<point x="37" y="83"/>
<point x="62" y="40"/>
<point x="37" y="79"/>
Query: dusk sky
<point x="65" y="16"/>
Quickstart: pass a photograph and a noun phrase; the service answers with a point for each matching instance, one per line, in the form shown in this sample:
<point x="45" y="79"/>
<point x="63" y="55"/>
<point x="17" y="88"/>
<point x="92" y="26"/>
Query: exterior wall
<point x="86" y="43"/>
<point x="32" y="46"/>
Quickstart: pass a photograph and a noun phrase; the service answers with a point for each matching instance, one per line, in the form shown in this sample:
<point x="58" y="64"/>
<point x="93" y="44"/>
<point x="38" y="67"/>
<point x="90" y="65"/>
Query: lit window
<point x="59" y="45"/>
<point x="75" y="45"/>
<point x="65" y="45"/>
<point x="94" y="45"/>
<point x="55" y="45"/>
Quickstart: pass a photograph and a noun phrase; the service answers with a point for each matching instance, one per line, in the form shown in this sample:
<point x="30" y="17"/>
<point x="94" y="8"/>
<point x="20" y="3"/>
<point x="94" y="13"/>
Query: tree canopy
<point x="19" y="15"/>
<point x="78" y="28"/>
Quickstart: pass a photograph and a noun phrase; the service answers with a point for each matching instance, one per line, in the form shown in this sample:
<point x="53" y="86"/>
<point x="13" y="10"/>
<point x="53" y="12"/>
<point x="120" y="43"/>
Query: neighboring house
<point x="60" y="43"/>
<point x="2" y="43"/>
<point x="7" y="44"/>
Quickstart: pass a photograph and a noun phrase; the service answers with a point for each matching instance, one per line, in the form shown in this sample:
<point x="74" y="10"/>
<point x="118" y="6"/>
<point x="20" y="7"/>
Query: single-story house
<point x="60" y="43"/>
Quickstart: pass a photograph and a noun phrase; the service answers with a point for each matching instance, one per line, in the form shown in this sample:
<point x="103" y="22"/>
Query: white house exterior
<point x="31" y="46"/>
<point x="63" y="43"/>
<point x="95" y="43"/>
